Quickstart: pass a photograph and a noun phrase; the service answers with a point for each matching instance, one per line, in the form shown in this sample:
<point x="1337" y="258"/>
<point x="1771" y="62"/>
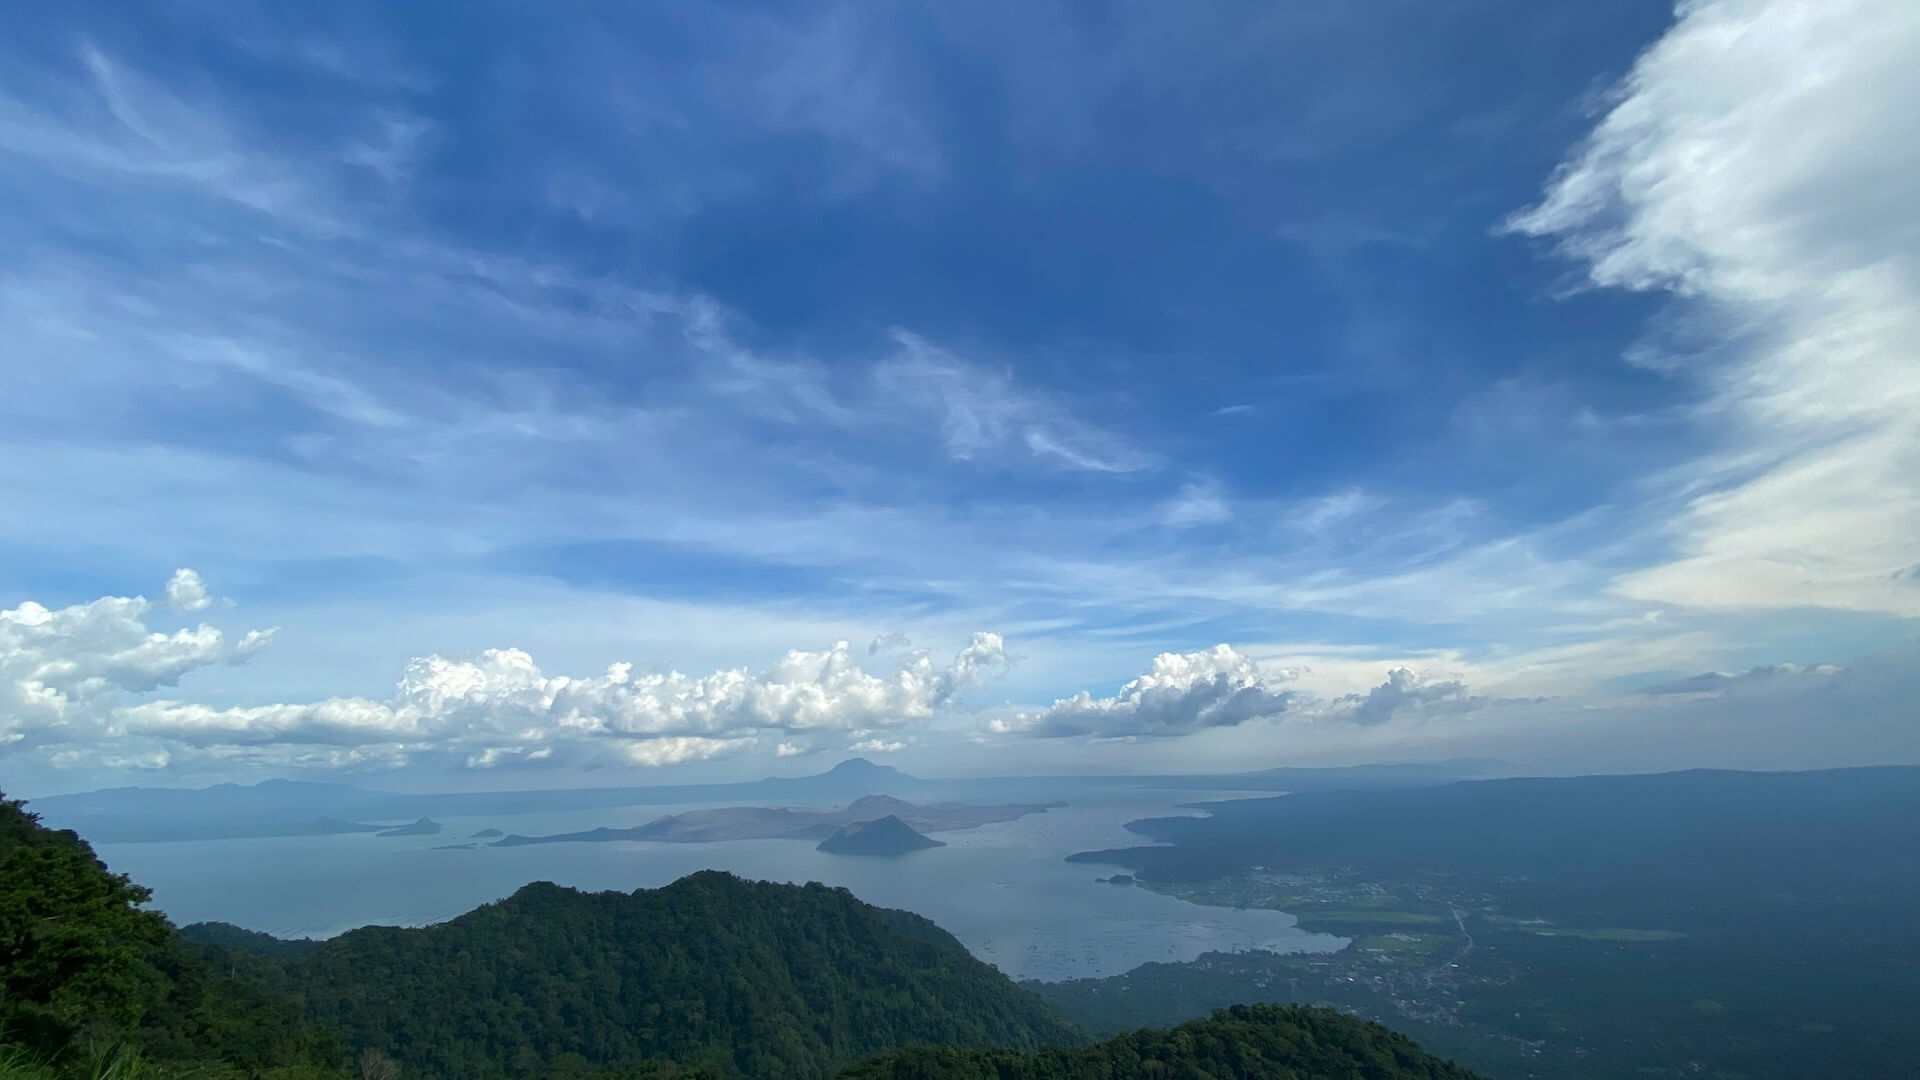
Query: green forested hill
<point x="1246" y="1042"/>
<point x="752" y="978"/>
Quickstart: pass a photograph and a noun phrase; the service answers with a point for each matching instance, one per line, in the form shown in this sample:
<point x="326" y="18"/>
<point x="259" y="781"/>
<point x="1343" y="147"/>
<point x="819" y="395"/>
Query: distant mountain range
<point x="303" y="808"/>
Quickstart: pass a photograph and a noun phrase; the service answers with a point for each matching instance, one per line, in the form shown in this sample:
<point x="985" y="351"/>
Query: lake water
<point x="1003" y="890"/>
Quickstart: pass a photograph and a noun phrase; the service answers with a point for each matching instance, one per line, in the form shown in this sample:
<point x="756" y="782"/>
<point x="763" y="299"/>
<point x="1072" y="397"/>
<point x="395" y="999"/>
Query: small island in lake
<point x="1117" y="879"/>
<point x="423" y="827"/>
<point x="487" y="834"/>
<point x="456" y="847"/>
<point x="886" y="836"/>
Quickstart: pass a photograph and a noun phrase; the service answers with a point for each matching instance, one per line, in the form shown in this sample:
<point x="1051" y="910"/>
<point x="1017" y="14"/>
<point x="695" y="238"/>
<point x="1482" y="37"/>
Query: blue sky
<point x="1463" y="370"/>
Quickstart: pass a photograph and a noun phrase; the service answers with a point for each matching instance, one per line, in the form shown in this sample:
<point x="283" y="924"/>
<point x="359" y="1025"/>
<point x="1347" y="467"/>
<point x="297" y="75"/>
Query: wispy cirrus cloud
<point x="984" y="413"/>
<point x="1753" y="166"/>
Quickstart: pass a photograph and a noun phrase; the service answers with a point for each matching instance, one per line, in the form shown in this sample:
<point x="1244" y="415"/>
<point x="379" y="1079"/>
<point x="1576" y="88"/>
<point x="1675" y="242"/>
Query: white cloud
<point x="1779" y="716"/>
<point x="1191" y="693"/>
<point x="887" y="643"/>
<point x="65" y="672"/>
<point x="879" y="746"/>
<point x="1197" y="504"/>
<point x="983" y="413"/>
<point x="114" y="129"/>
<point x="1180" y="693"/>
<point x="1404" y="690"/>
<point x="788" y="749"/>
<point x="1581" y="661"/>
<point x="186" y="592"/>
<point x="1319" y="515"/>
<point x="253" y="641"/>
<point x="1853" y="715"/>
<point x="1758" y="164"/>
<point x="69" y="674"/>
<point x="501" y="707"/>
<point x="668" y="751"/>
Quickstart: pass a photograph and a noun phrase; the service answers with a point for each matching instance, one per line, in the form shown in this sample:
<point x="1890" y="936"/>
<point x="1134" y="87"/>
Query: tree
<point x="77" y="952"/>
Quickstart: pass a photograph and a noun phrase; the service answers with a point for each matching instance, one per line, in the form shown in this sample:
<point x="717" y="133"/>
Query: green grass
<point x="92" y="1063"/>
<point x="16" y="1064"/>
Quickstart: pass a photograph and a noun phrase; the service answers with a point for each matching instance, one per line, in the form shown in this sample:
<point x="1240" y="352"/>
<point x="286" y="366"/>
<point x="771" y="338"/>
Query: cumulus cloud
<point x="1221" y="687"/>
<point x="68" y="670"/>
<point x="186" y="592"/>
<point x="1757" y="165"/>
<point x="70" y="677"/>
<point x="1180" y="693"/>
<point x="879" y="746"/>
<point x="1404" y="690"/>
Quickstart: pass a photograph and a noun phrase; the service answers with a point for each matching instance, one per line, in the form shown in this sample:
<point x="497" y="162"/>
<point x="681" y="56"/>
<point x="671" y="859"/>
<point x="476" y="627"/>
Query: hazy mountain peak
<point x="859" y="766"/>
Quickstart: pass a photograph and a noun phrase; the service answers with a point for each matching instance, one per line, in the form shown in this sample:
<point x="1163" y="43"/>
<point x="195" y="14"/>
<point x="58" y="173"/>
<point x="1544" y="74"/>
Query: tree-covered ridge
<point x="1246" y="1042"/>
<point x="748" y="978"/>
<point x="226" y="936"/>
<point x="84" y="965"/>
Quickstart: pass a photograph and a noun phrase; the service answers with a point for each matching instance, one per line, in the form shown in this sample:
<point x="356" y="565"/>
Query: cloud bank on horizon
<point x="1429" y="407"/>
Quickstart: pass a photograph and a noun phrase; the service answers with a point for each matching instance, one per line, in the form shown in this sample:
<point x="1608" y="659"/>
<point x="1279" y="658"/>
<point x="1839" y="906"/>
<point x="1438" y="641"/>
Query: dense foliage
<point x="75" y="947"/>
<point x="1246" y="1042"/>
<point x="748" y="978"/>
<point x="83" y="966"/>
